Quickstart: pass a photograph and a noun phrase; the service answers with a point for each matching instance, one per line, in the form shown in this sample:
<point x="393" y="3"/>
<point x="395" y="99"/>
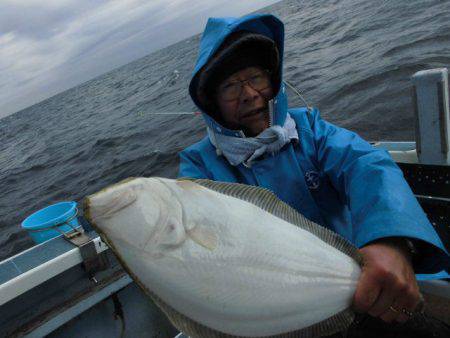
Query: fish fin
<point x="186" y="183"/>
<point x="203" y="236"/>
<point x="268" y="201"/>
<point x="337" y="323"/>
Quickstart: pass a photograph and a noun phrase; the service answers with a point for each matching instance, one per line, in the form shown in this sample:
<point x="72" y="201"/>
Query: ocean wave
<point x="419" y="45"/>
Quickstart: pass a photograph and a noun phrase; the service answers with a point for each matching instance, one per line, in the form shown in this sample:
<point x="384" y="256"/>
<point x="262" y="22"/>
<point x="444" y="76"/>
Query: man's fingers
<point x="404" y="316"/>
<point x="382" y="304"/>
<point x="397" y="312"/>
<point x="366" y="293"/>
<point x="391" y="314"/>
<point x="406" y="300"/>
<point x="387" y="287"/>
<point x="392" y="290"/>
<point x="407" y="304"/>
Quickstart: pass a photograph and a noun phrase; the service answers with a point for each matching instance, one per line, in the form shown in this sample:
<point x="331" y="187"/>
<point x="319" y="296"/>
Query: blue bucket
<point x="62" y="215"/>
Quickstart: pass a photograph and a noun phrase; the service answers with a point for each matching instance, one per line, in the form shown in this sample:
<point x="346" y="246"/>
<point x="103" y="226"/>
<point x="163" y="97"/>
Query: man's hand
<point x="387" y="287"/>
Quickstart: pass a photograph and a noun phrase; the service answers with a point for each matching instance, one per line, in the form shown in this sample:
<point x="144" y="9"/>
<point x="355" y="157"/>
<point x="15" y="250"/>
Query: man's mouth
<point x="253" y="112"/>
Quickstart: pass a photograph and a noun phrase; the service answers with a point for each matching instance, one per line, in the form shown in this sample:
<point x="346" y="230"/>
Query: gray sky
<point x="48" y="46"/>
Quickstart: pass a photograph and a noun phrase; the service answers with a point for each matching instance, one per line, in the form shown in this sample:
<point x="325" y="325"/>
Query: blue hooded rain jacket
<point x="331" y="176"/>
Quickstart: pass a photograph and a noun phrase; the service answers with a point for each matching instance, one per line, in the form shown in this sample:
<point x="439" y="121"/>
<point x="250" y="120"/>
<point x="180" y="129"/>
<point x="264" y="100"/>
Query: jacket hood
<point x="215" y="33"/>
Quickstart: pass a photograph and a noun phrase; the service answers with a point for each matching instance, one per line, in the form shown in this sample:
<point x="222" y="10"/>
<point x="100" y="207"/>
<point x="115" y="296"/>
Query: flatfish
<point x="227" y="259"/>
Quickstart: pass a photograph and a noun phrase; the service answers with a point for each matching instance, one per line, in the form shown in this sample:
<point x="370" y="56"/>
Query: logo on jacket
<point x="312" y="179"/>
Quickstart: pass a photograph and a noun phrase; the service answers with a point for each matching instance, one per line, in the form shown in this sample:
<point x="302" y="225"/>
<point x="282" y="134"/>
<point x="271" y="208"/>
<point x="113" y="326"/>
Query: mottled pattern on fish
<point x="259" y="197"/>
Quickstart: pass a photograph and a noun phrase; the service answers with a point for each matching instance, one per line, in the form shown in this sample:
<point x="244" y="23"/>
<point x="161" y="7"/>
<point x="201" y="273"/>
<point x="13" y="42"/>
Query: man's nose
<point x="248" y="93"/>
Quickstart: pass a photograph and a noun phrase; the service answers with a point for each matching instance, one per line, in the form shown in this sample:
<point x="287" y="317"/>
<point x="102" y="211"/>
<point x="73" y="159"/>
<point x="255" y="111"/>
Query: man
<point x="327" y="173"/>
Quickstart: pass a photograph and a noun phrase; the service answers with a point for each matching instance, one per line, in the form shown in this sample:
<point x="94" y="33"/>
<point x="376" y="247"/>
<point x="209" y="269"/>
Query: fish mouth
<point x="104" y="206"/>
<point x="110" y="200"/>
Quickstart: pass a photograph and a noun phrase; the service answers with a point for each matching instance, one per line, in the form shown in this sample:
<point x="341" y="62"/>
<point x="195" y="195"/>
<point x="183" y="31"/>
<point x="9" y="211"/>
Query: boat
<point x="72" y="285"/>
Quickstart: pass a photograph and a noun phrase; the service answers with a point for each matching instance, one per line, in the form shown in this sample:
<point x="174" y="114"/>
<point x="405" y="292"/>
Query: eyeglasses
<point x="232" y="90"/>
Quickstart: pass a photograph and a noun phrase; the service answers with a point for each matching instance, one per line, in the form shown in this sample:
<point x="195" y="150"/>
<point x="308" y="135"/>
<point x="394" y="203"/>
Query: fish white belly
<point x="264" y="275"/>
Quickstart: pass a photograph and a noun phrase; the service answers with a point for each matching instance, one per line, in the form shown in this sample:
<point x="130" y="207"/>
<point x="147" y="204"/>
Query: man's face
<point x="242" y="99"/>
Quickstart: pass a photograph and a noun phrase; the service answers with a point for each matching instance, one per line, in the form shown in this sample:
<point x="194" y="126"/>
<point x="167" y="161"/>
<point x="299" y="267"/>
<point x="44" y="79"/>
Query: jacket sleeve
<point x="191" y="165"/>
<point x="372" y="185"/>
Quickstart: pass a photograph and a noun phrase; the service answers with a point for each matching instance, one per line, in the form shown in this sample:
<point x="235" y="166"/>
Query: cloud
<point x="50" y="46"/>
